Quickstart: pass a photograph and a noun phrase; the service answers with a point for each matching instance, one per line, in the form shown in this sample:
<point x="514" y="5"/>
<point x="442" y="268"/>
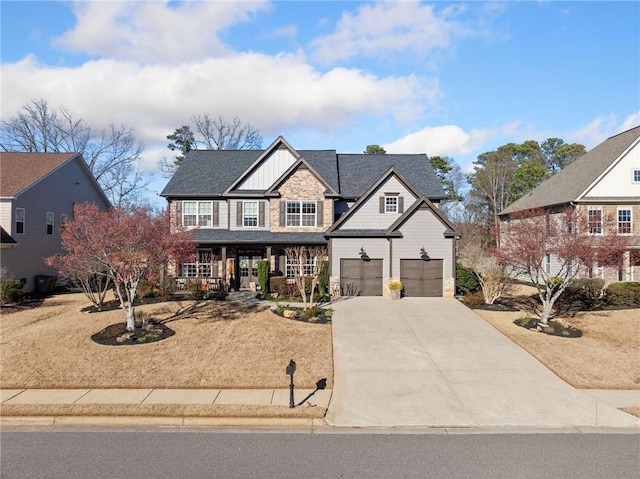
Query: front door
<point x="247" y="265"/>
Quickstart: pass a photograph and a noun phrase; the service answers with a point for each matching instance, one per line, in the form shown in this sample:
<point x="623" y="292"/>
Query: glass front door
<point x="248" y="268"/>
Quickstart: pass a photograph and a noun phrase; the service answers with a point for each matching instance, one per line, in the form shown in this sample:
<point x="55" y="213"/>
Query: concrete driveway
<point x="433" y="362"/>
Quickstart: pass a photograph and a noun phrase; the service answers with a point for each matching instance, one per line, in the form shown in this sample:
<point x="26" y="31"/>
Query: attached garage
<point x="361" y="277"/>
<point x="421" y="278"/>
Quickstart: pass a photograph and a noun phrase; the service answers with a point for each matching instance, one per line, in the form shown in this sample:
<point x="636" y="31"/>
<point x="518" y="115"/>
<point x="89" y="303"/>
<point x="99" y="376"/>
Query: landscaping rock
<point x="287" y="313"/>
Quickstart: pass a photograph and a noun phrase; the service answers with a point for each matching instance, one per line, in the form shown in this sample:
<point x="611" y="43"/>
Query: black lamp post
<point x="291" y="368"/>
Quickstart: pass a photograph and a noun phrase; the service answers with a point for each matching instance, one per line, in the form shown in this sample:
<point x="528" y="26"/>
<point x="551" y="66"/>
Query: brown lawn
<point x="607" y="356"/>
<point x="216" y="345"/>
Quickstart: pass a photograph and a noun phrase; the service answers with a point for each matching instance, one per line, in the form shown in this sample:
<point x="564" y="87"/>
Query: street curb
<point x="121" y="421"/>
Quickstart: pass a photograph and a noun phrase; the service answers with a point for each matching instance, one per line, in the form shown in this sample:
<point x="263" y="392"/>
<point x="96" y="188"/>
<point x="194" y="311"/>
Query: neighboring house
<point x="37" y="194"/>
<point x="605" y="185"/>
<point x="377" y="214"/>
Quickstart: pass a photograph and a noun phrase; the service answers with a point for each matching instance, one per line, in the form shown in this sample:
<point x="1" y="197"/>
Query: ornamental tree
<point x="127" y="244"/>
<point x="306" y="265"/>
<point x="532" y="238"/>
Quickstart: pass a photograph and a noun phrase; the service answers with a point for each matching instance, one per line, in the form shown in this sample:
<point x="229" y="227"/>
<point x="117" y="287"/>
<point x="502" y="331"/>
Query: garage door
<point x="421" y="278"/>
<point x="361" y="278"/>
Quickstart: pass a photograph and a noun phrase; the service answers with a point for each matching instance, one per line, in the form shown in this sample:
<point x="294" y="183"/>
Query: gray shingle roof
<point x="223" y="236"/>
<point x="211" y="172"/>
<point x="570" y="183"/>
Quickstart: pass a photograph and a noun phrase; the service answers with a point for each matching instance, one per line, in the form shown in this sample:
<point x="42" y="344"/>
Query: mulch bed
<point x="553" y="329"/>
<point x="312" y="315"/>
<point x="117" y="334"/>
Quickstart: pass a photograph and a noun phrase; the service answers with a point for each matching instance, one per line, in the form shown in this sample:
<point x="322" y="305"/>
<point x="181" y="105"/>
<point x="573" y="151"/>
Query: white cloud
<point x="271" y="93"/>
<point x="603" y="127"/>
<point x="155" y="31"/>
<point x="390" y="28"/>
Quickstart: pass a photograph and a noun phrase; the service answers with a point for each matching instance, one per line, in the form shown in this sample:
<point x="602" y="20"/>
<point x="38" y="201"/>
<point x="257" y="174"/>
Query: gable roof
<point x="570" y="183"/>
<point x="6" y="238"/>
<point x="20" y="171"/>
<point x="450" y="232"/>
<point x="300" y="163"/>
<point x="216" y="172"/>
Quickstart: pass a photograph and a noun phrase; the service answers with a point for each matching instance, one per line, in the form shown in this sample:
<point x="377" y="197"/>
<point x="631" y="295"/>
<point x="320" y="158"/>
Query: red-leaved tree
<point x="534" y="239"/>
<point x="127" y="245"/>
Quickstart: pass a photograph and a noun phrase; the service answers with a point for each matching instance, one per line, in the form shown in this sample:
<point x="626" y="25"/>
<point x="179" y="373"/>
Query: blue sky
<point x="441" y="78"/>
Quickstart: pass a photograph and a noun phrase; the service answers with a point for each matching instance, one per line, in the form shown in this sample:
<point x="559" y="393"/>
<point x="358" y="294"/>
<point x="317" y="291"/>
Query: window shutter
<point x="319" y="212"/>
<point x="216" y="213"/>
<point x="261" y="213"/>
<point x="179" y="212"/>
<point x="382" y="204"/>
<point x="400" y="204"/>
<point x="283" y="213"/>
<point x="238" y="213"/>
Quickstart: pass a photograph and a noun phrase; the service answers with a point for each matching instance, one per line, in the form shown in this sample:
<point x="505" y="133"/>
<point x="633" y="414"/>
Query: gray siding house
<point x="377" y="224"/>
<point x="37" y="194"/>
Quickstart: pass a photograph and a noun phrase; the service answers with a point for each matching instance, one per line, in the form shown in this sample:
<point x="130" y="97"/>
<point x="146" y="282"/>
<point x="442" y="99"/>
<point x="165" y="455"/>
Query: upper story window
<point x="624" y="222"/>
<point x="250" y="214"/>
<point x="63" y="221"/>
<point x="301" y="213"/>
<point x="50" y="220"/>
<point x="197" y="213"/>
<point x="594" y="219"/>
<point x="391" y="203"/>
<point x="636" y="176"/>
<point x="20" y="216"/>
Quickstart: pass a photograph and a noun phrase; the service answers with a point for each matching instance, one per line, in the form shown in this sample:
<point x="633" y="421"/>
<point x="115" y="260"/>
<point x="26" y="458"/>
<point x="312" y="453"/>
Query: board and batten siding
<point x="55" y="193"/>
<point x="618" y="182"/>
<point x="376" y="248"/>
<point x="268" y="172"/>
<point x="368" y="215"/>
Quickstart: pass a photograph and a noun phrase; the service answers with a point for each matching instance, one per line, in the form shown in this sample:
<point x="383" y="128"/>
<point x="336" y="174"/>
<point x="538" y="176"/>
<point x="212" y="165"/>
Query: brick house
<point x="605" y="185"/>
<point x="378" y="216"/>
<point x="37" y="194"/>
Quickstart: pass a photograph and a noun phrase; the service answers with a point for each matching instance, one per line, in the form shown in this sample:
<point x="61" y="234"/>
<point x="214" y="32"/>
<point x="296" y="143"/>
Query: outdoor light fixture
<point x="291" y="368"/>
<point x="363" y="254"/>
<point x="424" y="256"/>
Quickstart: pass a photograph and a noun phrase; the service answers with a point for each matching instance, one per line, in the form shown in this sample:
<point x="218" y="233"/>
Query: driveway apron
<point x="433" y="362"/>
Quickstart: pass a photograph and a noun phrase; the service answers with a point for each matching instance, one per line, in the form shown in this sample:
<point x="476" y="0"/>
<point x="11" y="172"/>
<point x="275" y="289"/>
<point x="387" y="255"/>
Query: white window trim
<point x="595" y="208"/>
<point x="301" y="215"/>
<point x="630" y="210"/>
<point x="391" y="207"/>
<point x="197" y="266"/>
<point x="24" y="221"/>
<point x="307" y="268"/>
<point x="245" y="216"/>
<point x="197" y="214"/>
<point x="50" y="221"/>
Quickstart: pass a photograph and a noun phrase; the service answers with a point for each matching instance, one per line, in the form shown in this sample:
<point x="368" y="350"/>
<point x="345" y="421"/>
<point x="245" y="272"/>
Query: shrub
<point x="147" y="289"/>
<point x="279" y="285"/>
<point x="466" y="280"/>
<point x="12" y="291"/>
<point x="526" y="322"/>
<point x="474" y="298"/>
<point x="395" y="286"/>
<point x="263" y="275"/>
<point x="623" y="294"/>
<point x="323" y="278"/>
<point x="585" y="293"/>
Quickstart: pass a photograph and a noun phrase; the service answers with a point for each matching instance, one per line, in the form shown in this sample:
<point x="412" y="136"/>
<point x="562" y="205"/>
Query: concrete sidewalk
<point x="254" y="397"/>
<point x="433" y="362"/>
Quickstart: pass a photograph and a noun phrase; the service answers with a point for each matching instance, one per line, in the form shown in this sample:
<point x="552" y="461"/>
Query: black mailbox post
<point x="291" y="368"/>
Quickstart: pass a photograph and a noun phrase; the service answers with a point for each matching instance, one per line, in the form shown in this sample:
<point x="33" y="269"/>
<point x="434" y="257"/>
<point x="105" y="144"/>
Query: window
<point x="202" y="268"/>
<point x="250" y="214"/>
<point x="307" y="267"/>
<point x="390" y="204"/>
<point x="20" y="220"/>
<point x="197" y="213"/>
<point x="624" y="221"/>
<point x="636" y="176"/>
<point x="63" y="220"/>
<point x="301" y="213"/>
<point x="547" y="264"/>
<point x="594" y="218"/>
<point x="49" y="223"/>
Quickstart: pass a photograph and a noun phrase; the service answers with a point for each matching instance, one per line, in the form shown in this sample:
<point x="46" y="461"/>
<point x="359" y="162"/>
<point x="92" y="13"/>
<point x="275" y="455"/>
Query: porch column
<point x="268" y="258"/>
<point x="223" y="257"/>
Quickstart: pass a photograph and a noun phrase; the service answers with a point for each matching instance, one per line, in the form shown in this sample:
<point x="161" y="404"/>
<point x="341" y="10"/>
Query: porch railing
<point x="183" y="285"/>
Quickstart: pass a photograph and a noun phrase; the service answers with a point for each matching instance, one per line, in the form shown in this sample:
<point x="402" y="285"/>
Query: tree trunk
<point x="131" y="318"/>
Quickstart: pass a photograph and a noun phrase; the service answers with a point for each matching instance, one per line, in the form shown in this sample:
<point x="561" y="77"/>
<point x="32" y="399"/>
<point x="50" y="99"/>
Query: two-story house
<point x="37" y="194"/>
<point x="378" y="216"/>
<point x="604" y="184"/>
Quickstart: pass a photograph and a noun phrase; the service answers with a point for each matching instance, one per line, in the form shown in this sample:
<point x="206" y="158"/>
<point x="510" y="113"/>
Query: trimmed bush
<point x="12" y="291"/>
<point x="263" y="275"/>
<point x="585" y="294"/>
<point x="623" y="294"/>
<point x="279" y="285"/>
<point x="323" y="278"/>
<point x="466" y="280"/>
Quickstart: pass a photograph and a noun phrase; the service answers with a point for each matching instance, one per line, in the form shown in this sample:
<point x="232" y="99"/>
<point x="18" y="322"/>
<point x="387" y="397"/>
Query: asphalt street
<point x="421" y="454"/>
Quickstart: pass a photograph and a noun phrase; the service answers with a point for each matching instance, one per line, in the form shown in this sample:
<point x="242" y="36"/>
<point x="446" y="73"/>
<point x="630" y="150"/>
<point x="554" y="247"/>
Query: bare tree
<point x="220" y="134"/>
<point x="305" y="262"/>
<point x="113" y="155"/>
<point x="493" y="277"/>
